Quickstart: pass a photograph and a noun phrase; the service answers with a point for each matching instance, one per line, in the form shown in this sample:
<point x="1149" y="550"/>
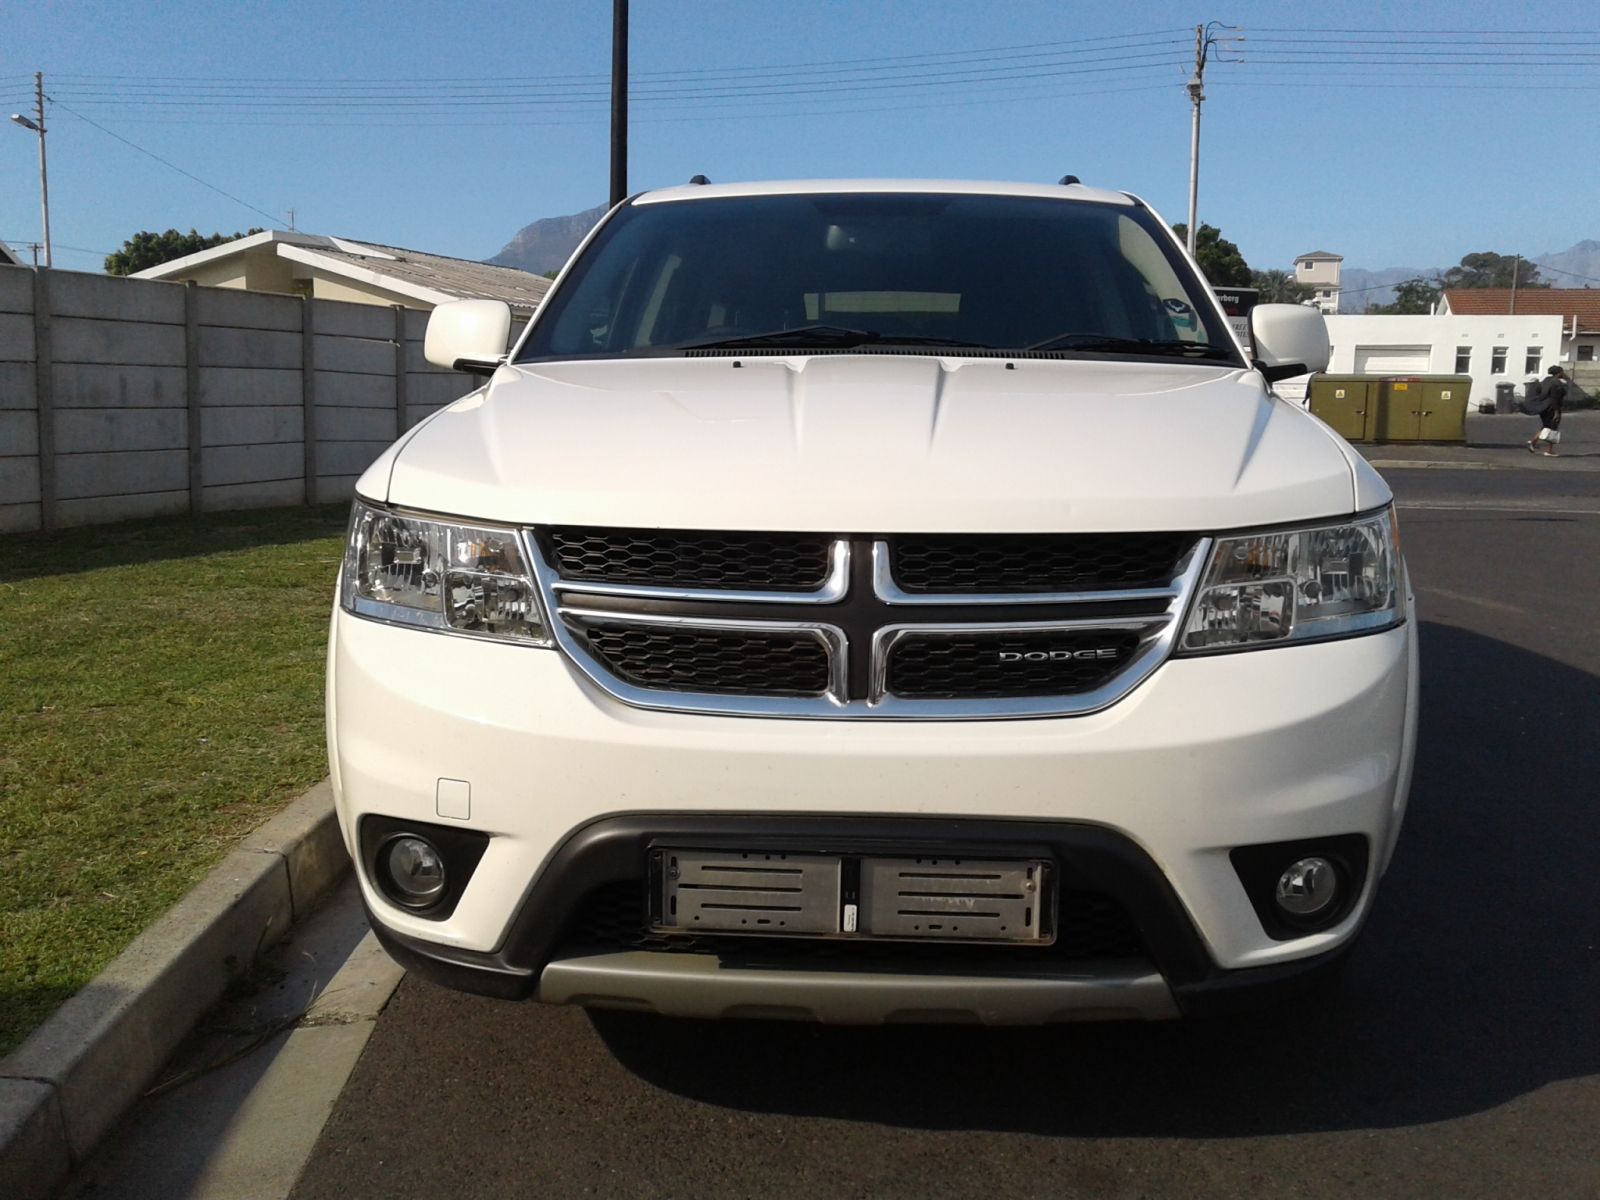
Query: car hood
<point x="871" y="443"/>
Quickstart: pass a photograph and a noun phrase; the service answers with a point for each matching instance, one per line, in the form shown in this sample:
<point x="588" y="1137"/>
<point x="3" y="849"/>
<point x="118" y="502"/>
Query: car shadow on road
<point x="1475" y="982"/>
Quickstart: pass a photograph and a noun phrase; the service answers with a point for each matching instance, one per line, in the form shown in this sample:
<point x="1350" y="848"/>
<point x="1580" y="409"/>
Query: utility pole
<point x="619" y="101"/>
<point x="1205" y="41"/>
<point x="1197" y="94"/>
<point x="1516" y="269"/>
<point x="37" y="125"/>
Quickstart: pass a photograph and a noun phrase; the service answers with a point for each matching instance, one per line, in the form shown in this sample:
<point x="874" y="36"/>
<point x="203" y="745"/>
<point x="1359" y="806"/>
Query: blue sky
<point x="446" y="127"/>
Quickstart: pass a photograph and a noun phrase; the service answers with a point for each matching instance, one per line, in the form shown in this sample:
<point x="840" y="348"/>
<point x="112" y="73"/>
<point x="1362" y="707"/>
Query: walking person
<point x="1552" y="396"/>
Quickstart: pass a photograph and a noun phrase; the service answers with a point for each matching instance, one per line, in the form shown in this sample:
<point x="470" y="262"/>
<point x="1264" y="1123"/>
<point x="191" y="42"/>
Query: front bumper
<point x="1207" y="755"/>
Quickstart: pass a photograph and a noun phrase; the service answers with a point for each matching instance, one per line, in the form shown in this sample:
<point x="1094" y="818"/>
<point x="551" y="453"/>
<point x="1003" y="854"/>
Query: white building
<point x="1493" y="349"/>
<point x="1577" y="310"/>
<point x="1319" y="271"/>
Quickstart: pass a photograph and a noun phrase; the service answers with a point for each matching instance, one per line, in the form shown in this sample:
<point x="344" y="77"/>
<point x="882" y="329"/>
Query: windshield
<point x="872" y="271"/>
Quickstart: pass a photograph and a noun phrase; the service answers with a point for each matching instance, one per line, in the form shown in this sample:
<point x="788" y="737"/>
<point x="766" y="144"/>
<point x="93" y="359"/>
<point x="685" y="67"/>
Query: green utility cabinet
<point x="1348" y="403"/>
<point x="1411" y="408"/>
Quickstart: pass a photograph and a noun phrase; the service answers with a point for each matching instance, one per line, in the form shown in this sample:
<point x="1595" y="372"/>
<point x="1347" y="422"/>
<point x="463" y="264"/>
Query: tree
<point x="146" y="249"/>
<point x="1486" y="269"/>
<point x="1220" y="260"/>
<point x="1412" y="297"/>
<point x="1279" y="287"/>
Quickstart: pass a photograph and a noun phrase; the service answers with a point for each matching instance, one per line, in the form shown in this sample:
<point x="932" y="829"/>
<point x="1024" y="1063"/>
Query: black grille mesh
<point x="1057" y="663"/>
<point x="732" y="662"/>
<point x="1089" y="925"/>
<point x="664" y="558"/>
<point x="1078" y="562"/>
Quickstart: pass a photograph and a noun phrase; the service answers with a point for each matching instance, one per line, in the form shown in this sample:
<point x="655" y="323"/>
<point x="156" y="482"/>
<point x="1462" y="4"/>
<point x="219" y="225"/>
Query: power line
<point x="165" y="162"/>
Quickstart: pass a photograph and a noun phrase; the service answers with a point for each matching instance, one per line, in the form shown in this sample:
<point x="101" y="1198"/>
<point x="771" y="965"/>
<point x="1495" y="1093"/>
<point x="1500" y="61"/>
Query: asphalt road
<point x="1460" y="1056"/>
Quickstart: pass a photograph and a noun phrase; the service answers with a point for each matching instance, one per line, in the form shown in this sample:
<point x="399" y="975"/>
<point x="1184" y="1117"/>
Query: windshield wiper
<point x="826" y="336"/>
<point x="1093" y="342"/>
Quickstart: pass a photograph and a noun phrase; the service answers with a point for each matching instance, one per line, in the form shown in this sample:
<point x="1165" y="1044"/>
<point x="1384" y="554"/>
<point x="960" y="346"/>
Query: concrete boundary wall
<point x="124" y="398"/>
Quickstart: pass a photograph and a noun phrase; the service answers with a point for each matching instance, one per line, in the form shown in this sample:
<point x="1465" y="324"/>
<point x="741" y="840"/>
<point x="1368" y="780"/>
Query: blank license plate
<point x="767" y="893"/>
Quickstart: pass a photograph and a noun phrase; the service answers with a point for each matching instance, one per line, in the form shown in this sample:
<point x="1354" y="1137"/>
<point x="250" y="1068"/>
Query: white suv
<point x="872" y="601"/>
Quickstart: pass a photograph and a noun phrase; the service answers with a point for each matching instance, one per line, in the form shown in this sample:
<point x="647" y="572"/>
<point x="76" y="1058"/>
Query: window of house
<point x="1586" y="352"/>
<point x="1497" y="361"/>
<point x="1530" y="361"/>
<point x="1463" y="360"/>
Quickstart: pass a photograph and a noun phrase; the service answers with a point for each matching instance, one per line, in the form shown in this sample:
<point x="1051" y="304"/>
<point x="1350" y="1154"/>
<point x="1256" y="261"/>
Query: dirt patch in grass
<point x="162" y="696"/>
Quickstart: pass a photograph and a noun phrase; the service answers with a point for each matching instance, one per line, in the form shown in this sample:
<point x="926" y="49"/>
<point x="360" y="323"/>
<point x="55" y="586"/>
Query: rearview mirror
<point x="1289" y="340"/>
<point x="468" y="335"/>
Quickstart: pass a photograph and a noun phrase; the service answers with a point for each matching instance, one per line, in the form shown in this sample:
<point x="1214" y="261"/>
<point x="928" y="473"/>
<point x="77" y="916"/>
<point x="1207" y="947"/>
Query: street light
<point x="37" y="126"/>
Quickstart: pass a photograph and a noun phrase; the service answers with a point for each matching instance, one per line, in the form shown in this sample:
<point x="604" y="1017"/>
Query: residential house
<point x="1577" y="310"/>
<point x="331" y="268"/>
<point x="1319" y="271"/>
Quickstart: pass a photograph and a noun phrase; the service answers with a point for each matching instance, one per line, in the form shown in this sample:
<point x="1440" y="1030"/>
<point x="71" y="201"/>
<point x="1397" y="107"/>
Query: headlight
<point x="1287" y="585"/>
<point x="468" y="579"/>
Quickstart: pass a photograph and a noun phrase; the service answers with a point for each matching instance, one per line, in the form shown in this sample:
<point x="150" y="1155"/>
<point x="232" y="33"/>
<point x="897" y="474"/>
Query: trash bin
<point x="1505" y="397"/>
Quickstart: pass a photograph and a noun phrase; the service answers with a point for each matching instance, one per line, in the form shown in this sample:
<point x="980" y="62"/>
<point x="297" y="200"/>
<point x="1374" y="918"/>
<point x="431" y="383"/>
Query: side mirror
<point x="468" y="335"/>
<point x="1289" y="340"/>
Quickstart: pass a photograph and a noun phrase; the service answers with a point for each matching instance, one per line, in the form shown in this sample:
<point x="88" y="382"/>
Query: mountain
<point x="547" y="244"/>
<point x="1575" y="267"/>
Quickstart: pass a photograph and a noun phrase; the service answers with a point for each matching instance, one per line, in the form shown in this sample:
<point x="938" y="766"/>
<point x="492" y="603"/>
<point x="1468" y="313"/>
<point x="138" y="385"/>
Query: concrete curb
<point x="65" y="1087"/>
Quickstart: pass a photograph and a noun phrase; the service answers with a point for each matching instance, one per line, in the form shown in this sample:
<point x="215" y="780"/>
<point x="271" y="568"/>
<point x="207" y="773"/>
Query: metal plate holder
<point x="962" y="898"/>
<point x="851" y="897"/>
<point x="749" y="891"/>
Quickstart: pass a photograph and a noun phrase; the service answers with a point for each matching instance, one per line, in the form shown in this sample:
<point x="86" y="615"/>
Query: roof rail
<point x="1069" y="179"/>
<point x="699" y="179"/>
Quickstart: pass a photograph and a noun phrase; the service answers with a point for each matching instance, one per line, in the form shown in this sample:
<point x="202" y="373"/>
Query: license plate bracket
<point x="851" y="897"/>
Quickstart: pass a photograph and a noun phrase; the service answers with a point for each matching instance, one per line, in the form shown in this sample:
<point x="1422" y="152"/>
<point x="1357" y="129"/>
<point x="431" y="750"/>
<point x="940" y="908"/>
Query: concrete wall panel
<point x="104" y="385"/>
<point x="336" y="487"/>
<point x="16" y="290"/>
<point x="19" y="480"/>
<point x="16" y="337"/>
<point x="353" y="320"/>
<point x="19" y="518"/>
<point x="248" y="310"/>
<point x="222" y="347"/>
<point x="355" y="424"/>
<point x="97" y="510"/>
<point x="227" y="387"/>
<point x="277" y="493"/>
<point x="362" y="355"/>
<point x="249" y="426"/>
<point x="83" y="340"/>
<point x="110" y="298"/>
<point x="97" y="430"/>
<point x="19" y="432"/>
<point x="252" y="464"/>
<point x="130" y="473"/>
<point x="348" y="458"/>
<point x="339" y="389"/>
<point x="16" y="386"/>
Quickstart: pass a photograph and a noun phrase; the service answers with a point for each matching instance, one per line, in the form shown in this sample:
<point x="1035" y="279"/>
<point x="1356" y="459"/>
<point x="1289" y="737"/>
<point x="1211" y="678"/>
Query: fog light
<point x="415" y="870"/>
<point x="1308" y="888"/>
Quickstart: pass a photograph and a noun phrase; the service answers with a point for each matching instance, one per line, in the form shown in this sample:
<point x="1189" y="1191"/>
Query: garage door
<point x="1392" y="360"/>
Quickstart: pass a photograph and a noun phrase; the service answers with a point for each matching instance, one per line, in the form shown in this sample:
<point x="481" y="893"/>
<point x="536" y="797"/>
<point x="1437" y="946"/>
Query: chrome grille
<point x="803" y="626"/>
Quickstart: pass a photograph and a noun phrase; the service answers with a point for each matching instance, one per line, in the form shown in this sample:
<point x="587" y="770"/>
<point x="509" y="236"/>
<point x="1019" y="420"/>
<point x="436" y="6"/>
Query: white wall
<point x="1351" y="334"/>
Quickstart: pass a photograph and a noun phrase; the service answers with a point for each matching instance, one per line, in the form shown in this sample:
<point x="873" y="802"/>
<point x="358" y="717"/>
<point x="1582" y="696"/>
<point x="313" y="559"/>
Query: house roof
<point x="1319" y="256"/>
<point x="1580" y="305"/>
<point x="8" y="255"/>
<point x="432" y="278"/>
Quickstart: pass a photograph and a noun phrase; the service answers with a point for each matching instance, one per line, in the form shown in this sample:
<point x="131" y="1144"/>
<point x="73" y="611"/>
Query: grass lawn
<point x="161" y="696"/>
